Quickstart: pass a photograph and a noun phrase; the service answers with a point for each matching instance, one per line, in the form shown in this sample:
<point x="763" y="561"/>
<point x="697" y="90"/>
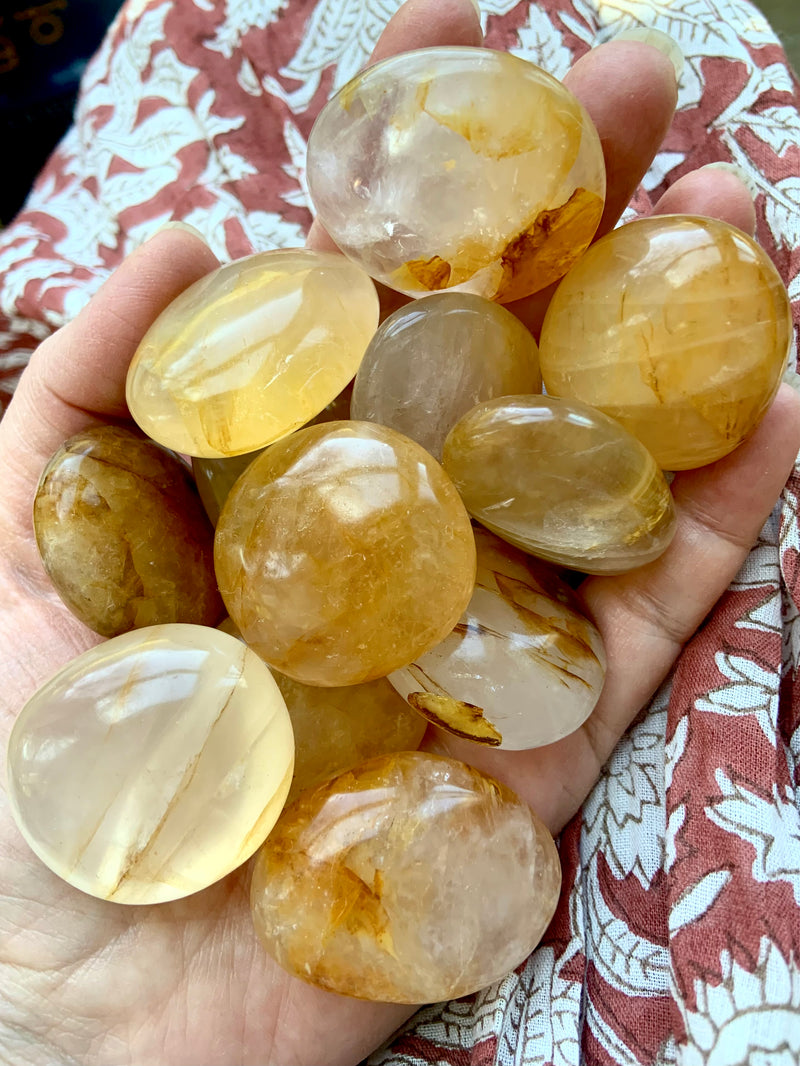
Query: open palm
<point x="186" y="982"/>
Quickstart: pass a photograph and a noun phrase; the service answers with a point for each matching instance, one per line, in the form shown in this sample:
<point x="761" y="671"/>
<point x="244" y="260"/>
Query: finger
<point x="629" y="89"/>
<point x="716" y="191"/>
<point x="647" y="615"/>
<point x="417" y="24"/>
<point x="77" y="377"/>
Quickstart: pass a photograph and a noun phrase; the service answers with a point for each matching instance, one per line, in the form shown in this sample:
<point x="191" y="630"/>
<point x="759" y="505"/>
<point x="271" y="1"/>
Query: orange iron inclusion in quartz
<point x="343" y="552"/>
<point x="123" y="535"/>
<point x="152" y="765"/>
<point x="677" y="326"/>
<point x="251" y="352"/>
<point x="458" y="168"/>
<point x="412" y="879"/>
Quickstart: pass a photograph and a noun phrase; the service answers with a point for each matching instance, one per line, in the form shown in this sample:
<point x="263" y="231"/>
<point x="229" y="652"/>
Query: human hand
<point x="187" y="982"/>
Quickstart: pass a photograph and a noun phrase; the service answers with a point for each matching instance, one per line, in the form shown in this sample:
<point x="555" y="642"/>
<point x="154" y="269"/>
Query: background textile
<point x="677" y="937"/>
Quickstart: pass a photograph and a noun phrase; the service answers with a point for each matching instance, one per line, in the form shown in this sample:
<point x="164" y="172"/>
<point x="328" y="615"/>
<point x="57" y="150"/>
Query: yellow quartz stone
<point x="411" y="879"/>
<point x="216" y="477"/>
<point x="458" y="168"/>
<point x="152" y="765"/>
<point x="523" y="667"/>
<point x="335" y="729"/>
<point x="677" y="326"/>
<point x="343" y="552"/>
<point x="122" y="534"/>
<point x="562" y="481"/>
<point x="251" y="352"/>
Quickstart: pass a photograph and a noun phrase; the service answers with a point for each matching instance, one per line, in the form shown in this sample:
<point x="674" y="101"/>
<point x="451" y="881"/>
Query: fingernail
<point x="743" y="176"/>
<point x="476" y="5"/>
<point x="665" y="44"/>
<point x="185" y="226"/>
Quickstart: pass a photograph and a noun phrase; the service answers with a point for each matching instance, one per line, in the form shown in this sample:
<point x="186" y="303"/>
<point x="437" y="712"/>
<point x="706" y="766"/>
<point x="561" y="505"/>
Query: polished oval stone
<point x="152" y="765"/>
<point x="677" y="326"/>
<point x="335" y="729"/>
<point x="458" y="168"/>
<point x="252" y="351"/>
<point x="561" y="481"/>
<point x="434" y="359"/>
<point x="523" y="666"/>
<point x="344" y="552"/>
<point x="122" y="534"/>
<point x="412" y="879"/>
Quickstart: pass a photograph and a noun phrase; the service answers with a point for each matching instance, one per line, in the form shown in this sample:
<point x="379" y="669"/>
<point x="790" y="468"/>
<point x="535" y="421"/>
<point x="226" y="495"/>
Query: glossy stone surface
<point x="216" y="477"/>
<point x="561" y="481"/>
<point x="123" y="536"/>
<point x="412" y="879"/>
<point x="457" y="168"/>
<point x="677" y="326"/>
<point x="335" y="729"/>
<point x="343" y="553"/>
<point x="434" y="359"/>
<point x="523" y="667"/>
<point x="251" y="352"/>
<point x="152" y="765"/>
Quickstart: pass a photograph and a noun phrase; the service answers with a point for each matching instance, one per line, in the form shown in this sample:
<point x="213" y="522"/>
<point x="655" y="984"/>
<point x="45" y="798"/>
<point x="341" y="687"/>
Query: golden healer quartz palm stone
<point x="434" y="359"/>
<point x="411" y="879"/>
<point x="677" y="326"/>
<point x="122" y="534"/>
<point x="523" y="667"/>
<point x="343" y="552"/>
<point x="457" y="168"/>
<point x="251" y="352"/>
<point x="561" y="481"/>
<point x="152" y="765"/>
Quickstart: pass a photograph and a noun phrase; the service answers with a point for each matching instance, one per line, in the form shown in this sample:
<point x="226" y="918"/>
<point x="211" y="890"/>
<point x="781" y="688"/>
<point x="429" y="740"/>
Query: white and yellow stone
<point x="251" y="352"/>
<point x="152" y="765"/>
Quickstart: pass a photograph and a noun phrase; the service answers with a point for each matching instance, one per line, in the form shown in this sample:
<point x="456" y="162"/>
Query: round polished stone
<point x="457" y="168"/>
<point x="523" y="667"/>
<point x="434" y="359"/>
<point x="152" y="765"/>
<point x="252" y="351"/>
<point x="677" y="326"/>
<point x="343" y="552"/>
<point x="561" y="481"/>
<point x="412" y="879"/>
<point x="122" y="534"/>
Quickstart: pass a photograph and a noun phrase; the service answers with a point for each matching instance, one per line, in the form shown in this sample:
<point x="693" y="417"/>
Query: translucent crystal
<point x="152" y="765"/>
<point x="335" y="729"/>
<point x="412" y="879"/>
<point x="343" y="552"/>
<point x="523" y="667"/>
<point x="561" y="481"/>
<point x="216" y="477"/>
<point x="677" y="326"/>
<point x="251" y="352"/>
<point x="457" y="168"/>
<point x="122" y="534"/>
<point x="434" y="359"/>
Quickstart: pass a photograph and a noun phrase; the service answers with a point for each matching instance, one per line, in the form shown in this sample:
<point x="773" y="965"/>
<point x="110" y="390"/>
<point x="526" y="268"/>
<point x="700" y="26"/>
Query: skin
<point x="90" y="982"/>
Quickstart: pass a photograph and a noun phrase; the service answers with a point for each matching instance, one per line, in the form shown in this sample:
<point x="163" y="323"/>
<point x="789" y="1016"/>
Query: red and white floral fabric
<point x="677" y="939"/>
